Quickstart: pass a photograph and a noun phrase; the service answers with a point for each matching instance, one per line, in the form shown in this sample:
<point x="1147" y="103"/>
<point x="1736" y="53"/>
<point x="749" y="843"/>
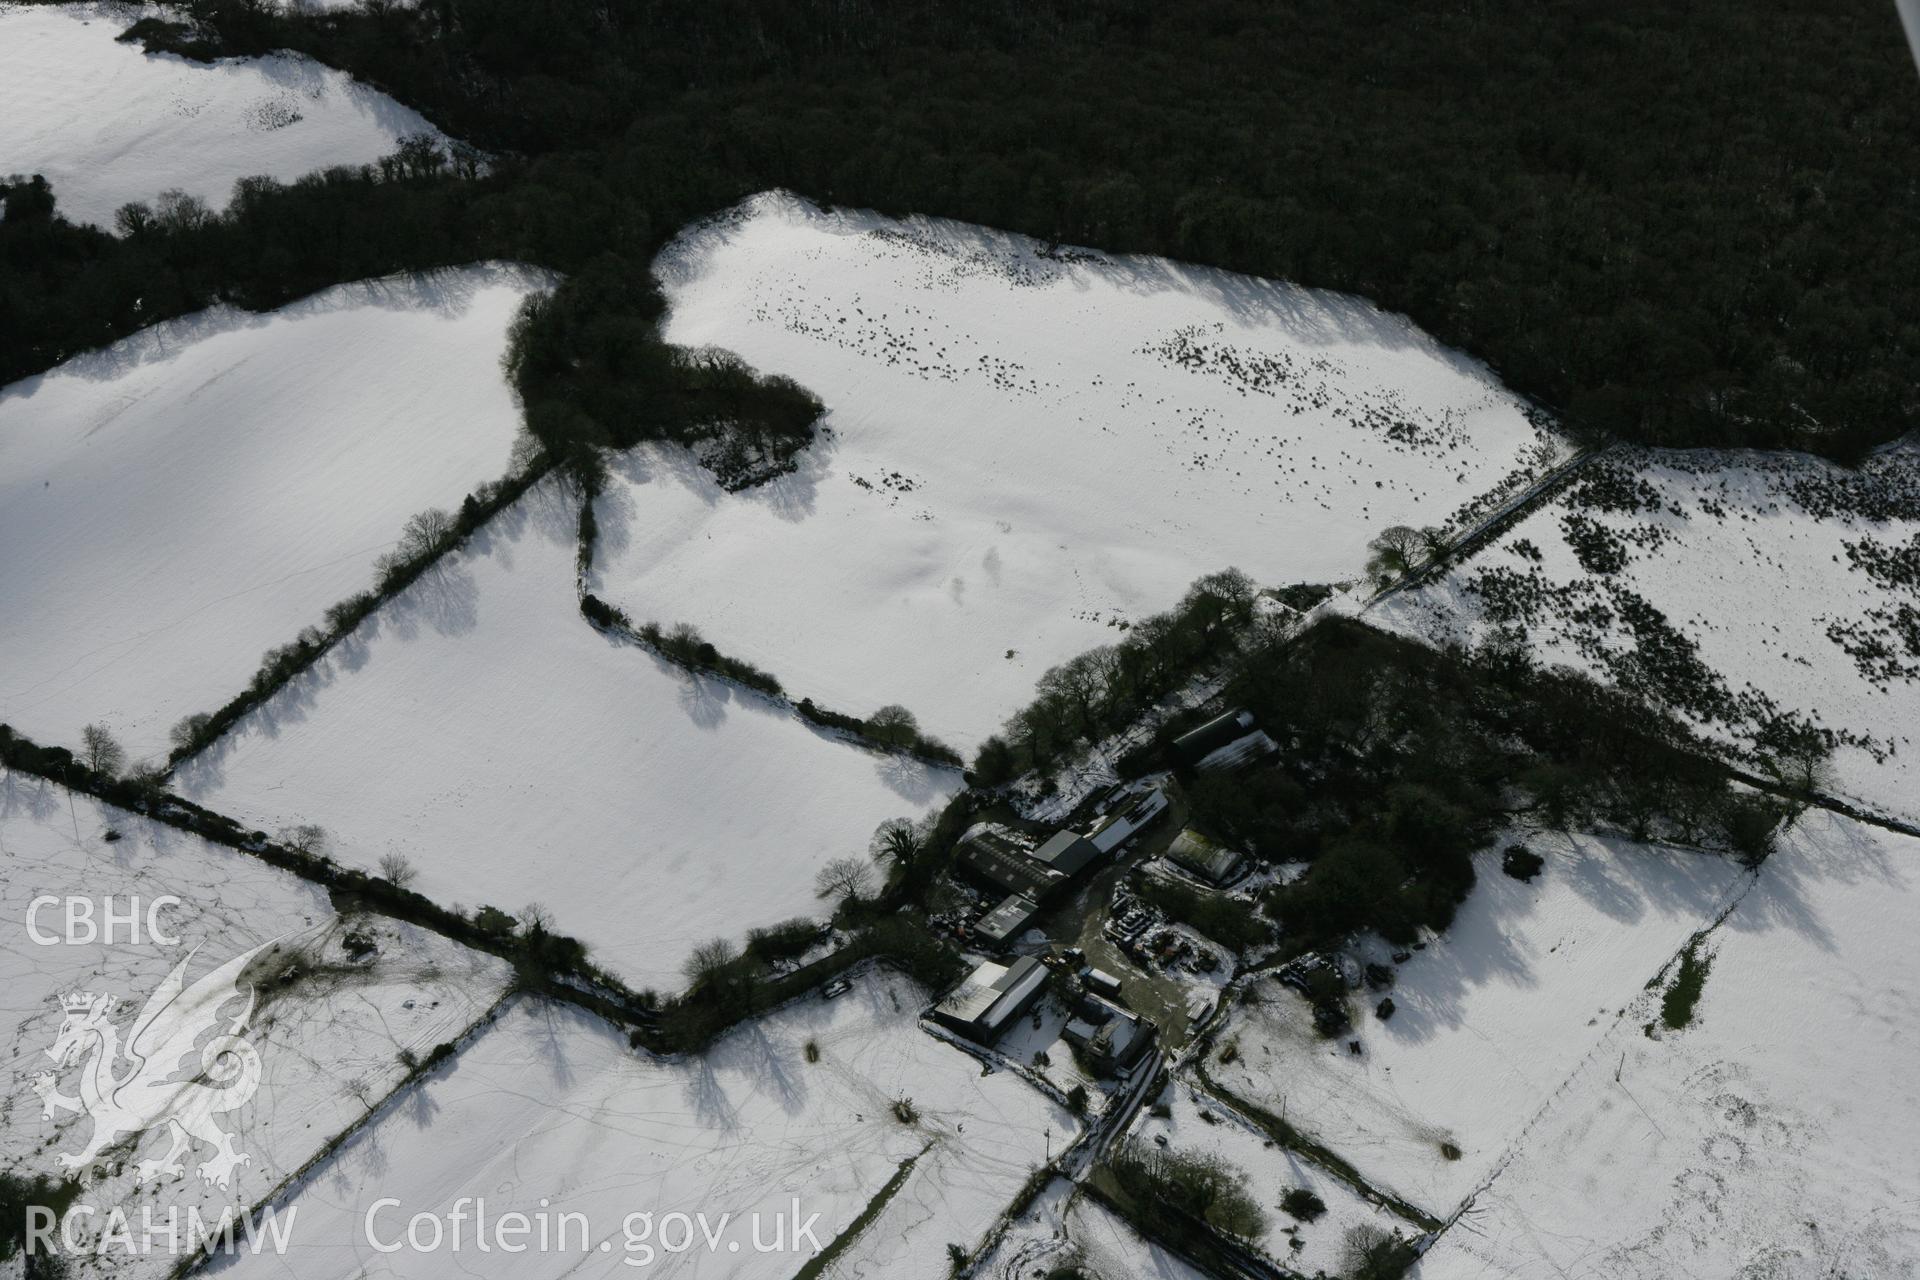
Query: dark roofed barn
<point x="1224" y="742"/>
<point x="991" y="854"/>
<point x="1007" y="921"/>
<point x="1068" y="852"/>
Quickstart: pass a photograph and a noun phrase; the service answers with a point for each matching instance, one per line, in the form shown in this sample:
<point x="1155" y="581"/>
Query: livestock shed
<point x="1067" y="852"/>
<point x="1201" y="858"/>
<point x="1222" y="743"/>
<point x="988" y="1000"/>
<point x="991" y="853"/>
<point x="1127" y="820"/>
<point x="1007" y="921"/>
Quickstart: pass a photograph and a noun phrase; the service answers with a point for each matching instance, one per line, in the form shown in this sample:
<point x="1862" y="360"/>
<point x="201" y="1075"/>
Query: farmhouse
<point x="1223" y="743"/>
<point x="1111" y="1038"/>
<point x="987" y="1001"/>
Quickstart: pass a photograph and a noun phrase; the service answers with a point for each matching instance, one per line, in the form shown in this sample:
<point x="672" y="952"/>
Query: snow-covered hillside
<point x="1773" y="1137"/>
<point x="175" y="505"/>
<point x="1728" y="588"/>
<point x="1026" y="447"/>
<point x="550" y="1110"/>
<point x="1488" y="1019"/>
<point x="341" y="1000"/>
<point x="106" y="123"/>
<point x="480" y="727"/>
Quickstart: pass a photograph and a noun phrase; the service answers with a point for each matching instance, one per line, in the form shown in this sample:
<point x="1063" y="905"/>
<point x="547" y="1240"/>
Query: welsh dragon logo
<point x="142" y="1085"/>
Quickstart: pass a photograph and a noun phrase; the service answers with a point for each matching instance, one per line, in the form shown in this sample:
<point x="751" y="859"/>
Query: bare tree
<point x="535" y="919"/>
<point x="177" y="211"/>
<point x="1079" y="685"/>
<point x="1396" y="552"/>
<point x="134" y="219"/>
<point x="1374" y="1253"/>
<point x="1804" y="768"/>
<point x="466" y="159"/>
<point x="418" y="156"/>
<point x="309" y="838"/>
<point x="1232" y="588"/>
<point x="844" y="878"/>
<point x="102" y="752"/>
<point x="527" y="449"/>
<point x="398" y="871"/>
<point x="188" y="730"/>
<point x="708" y="961"/>
<point x="387" y="568"/>
<point x="894" y="725"/>
<point x="425" y="533"/>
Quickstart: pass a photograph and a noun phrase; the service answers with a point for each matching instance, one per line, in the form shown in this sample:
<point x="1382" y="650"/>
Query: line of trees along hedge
<point x="1103" y="690"/>
<point x="891" y="728"/>
<point x="426" y="537"/>
<point x="545" y="961"/>
<point x="1687" y="224"/>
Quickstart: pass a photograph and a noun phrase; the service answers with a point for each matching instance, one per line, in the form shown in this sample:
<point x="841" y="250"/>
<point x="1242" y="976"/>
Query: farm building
<point x="1200" y="857"/>
<point x="1224" y="742"/>
<point x="1067" y="852"/>
<point x="1007" y="921"/>
<point x="1111" y="1038"/>
<point x="988" y="1000"/>
<point x="991" y="853"/>
<point x="1128" y="820"/>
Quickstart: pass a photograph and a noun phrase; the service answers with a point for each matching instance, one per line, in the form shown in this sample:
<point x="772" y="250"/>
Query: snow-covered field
<point x="1775" y="1137"/>
<point x="1026" y="449"/>
<point x="478" y="726"/>
<point x="1489" y="1019"/>
<point x="1787" y="585"/>
<point x="1066" y="1229"/>
<point x="551" y="1108"/>
<point x="106" y="123"/>
<point x="177" y="504"/>
<point x="328" y="1041"/>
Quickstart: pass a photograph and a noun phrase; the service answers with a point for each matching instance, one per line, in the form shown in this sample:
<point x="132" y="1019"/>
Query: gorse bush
<point x="1689" y="980"/>
<point x="1303" y="1204"/>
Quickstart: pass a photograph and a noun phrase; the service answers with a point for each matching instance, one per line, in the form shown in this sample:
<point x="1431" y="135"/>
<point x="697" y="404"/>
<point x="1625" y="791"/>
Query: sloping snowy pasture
<point x="177" y="504"/>
<point x="106" y="123"/>
<point x="1066" y="1229"/>
<point x="551" y="1110"/>
<point x="1773" y="1137"/>
<point x="1027" y="447"/>
<point x="1727" y="587"/>
<point x="478" y="726"/>
<point x="329" y="1041"/>
<point x="1489" y="1018"/>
